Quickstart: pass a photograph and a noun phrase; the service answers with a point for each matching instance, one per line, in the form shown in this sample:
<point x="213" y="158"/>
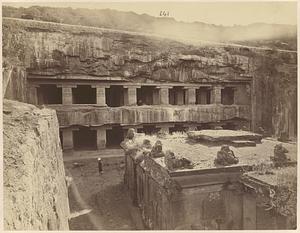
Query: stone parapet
<point x="91" y="115"/>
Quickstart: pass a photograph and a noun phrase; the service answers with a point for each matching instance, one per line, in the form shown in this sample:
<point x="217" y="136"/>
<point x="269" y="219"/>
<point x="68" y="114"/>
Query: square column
<point x="67" y="142"/>
<point x="216" y="95"/>
<point x="67" y="97"/>
<point x="191" y="95"/>
<point x="100" y="95"/>
<point x="101" y="137"/>
<point x="163" y="95"/>
<point x="130" y="96"/>
<point x="33" y="94"/>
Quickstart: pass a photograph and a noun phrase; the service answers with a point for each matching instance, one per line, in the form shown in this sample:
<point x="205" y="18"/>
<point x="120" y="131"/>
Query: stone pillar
<point x="100" y="95"/>
<point x="191" y="95"/>
<point x="163" y="95"/>
<point x="180" y="97"/>
<point x="101" y="138"/>
<point x="156" y="97"/>
<point x="216" y="95"/>
<point x="130" y="96"/>
<point x="33" y="94"/>
<point x="67" y="142"/>
<point x="249" y="212"/>
<point x="67" y="97"/>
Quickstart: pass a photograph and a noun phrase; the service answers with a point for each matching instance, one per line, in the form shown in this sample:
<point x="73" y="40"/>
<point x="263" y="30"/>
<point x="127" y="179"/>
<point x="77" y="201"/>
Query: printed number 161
<point x="164" y="13"/>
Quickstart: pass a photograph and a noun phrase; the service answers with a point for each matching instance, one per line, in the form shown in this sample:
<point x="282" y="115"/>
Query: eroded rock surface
<point x="35" y="192"/>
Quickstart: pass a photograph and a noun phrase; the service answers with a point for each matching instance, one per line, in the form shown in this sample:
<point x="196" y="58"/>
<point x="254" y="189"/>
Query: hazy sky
<point x="225" y="13"/>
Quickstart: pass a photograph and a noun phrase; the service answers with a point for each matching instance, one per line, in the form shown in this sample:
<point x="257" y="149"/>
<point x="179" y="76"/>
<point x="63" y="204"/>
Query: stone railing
<point x="90" y="115"/>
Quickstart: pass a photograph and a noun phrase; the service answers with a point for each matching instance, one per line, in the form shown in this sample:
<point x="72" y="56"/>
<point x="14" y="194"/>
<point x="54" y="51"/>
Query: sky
<point x="219" y="13"/>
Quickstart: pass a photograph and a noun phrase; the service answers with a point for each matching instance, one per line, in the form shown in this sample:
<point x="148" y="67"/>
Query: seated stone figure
<point x="280" y="154"/>
<point x="129" y="145"/>
<point x="173" y="163"/>
<point x="156" y="151"/>
<point x="143" y="151"/>
<point x="226" y="157"/>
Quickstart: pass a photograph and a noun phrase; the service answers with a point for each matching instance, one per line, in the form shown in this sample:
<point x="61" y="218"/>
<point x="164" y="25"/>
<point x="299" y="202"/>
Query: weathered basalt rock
<point x="35" y="192"/>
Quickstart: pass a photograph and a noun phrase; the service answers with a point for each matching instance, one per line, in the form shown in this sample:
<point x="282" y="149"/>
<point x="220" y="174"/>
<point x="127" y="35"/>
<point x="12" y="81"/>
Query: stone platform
<point x="231" y="136"/>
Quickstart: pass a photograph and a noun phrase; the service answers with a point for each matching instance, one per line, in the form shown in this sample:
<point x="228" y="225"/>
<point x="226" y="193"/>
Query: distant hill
<point x="258" y="34"/>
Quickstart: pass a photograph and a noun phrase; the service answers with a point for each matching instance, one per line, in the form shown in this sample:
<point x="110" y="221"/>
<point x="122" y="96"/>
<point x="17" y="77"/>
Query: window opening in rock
<point x="147" y="95"/>
<point x="227" y="96"/>
<point x="177" y="96"/>
<point x="115" y="96"/>
<point x="84" y="94"/>
<point x="114" y="137"/>
<point x="85" y="139"/>
<point x="49" y="94"/>
<point x="203" y="95"/>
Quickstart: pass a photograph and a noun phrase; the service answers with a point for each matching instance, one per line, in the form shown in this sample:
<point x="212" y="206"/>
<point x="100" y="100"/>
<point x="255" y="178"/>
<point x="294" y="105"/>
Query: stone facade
<point x="115" y="65"/>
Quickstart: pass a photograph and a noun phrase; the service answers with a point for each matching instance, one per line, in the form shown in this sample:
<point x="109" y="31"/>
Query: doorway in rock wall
<point x="147" y="95"/>
<point x="114" y="96"/>
<point x="149" y="129"/>
<point x="84" y="94"/>
<point x="85" y="139"/>
<point x="114" y="137"/>
<point x="177" y="96"/>
<point x="49" y="94"/>
<point x="227" y="96"/>
<point x="177" y="128"/>
<point x="203" y="95"/>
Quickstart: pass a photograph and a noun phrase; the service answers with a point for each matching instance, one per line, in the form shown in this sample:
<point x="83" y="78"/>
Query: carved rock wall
<point x="55" y="49"/>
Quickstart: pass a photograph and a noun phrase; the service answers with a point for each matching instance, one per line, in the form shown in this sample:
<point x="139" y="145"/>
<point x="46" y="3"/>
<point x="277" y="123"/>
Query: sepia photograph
<point x="149" y="115"/>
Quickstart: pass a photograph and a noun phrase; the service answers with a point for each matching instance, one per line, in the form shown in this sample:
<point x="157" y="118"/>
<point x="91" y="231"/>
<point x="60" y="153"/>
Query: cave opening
<point x="49" y="94"/>
<point x="148" y="130"/>
<point x="227" y="96"/>
<point x="114" y="137"/>
<point x="147" y="95"/>
<point x="84" y="94"/>
<point x="177" y="128"/>
<point x="177" y="96"/>
<point x="203" y="95"/>
<point x="85" y="139"/>
<point x="114" y="96"/>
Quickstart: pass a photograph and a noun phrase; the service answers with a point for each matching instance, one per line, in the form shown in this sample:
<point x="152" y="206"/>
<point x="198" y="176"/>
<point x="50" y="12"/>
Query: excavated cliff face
<point x="55" y="49"/>
<point x="35" y="192"/>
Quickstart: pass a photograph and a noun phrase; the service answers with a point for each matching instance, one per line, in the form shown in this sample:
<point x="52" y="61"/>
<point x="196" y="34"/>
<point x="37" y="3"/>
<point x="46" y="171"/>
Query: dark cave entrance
<point x="147" y="95"/>
<point x="148" y="129"/>
<point x="177" y="128"/>
<point x="177" y="96"/>
<point x="227" y="96"/>
<point x="203" y="95"/>
<point x="114" y="96"/>
<point x="85" y="139"/>
<point x="114" y="137"/>
<point x="84" y="94"/>
<point x="49" y="94"/>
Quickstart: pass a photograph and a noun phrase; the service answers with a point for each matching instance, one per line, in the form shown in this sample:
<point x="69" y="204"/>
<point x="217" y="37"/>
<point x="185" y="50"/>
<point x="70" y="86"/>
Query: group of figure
<point x="156" y="151"/>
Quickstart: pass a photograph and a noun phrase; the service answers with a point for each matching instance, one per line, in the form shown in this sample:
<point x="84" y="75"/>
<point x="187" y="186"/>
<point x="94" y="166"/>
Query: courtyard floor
<point x="100" y="202"/>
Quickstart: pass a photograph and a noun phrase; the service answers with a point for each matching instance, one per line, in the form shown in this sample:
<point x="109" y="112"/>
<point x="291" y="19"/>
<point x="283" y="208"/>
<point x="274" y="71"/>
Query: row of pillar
<point x="130" y="95"/>
<point x="68" y="143"/>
